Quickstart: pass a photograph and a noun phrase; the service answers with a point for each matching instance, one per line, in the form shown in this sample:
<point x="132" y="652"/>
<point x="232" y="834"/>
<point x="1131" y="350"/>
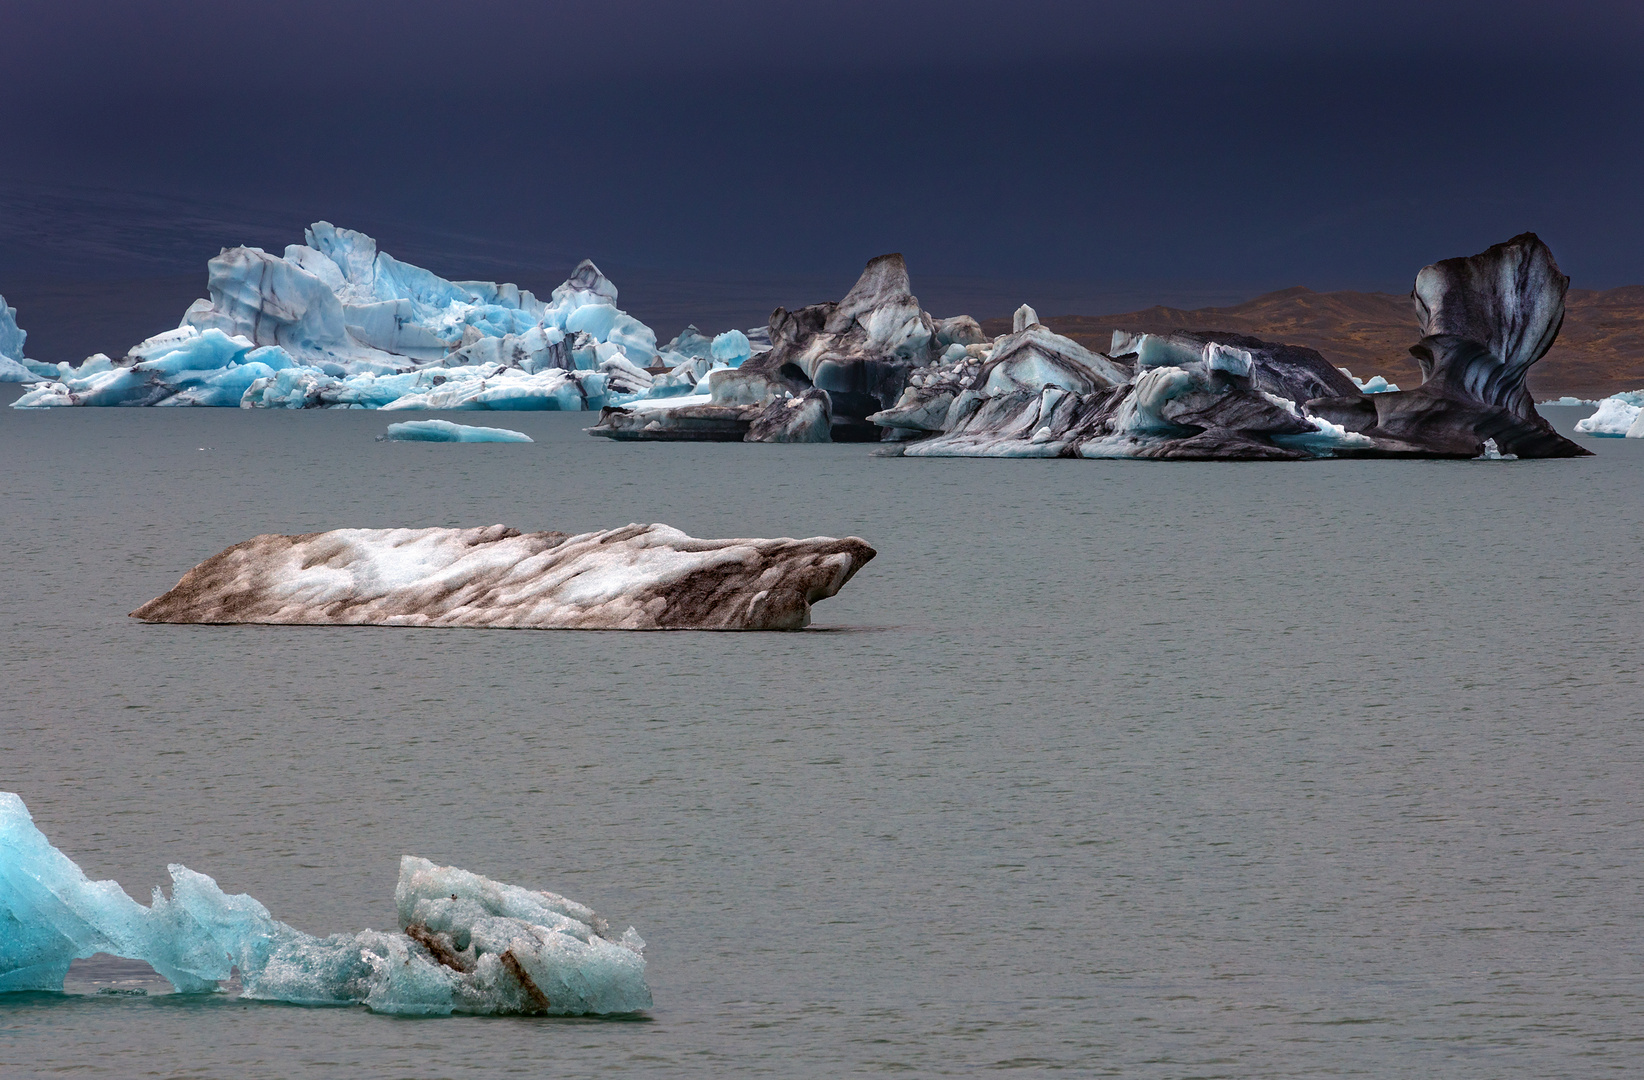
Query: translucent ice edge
<point x="446" y="431"/>
<point x="465" y="943"/>
<point x="1375" y="384"/>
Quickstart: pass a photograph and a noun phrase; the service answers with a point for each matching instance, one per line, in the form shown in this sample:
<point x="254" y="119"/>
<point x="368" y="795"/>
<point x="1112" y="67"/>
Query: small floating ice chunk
<point x="1617" y="416"/>
<point x="446" y="431"/>
<point x="1375" y="384"/>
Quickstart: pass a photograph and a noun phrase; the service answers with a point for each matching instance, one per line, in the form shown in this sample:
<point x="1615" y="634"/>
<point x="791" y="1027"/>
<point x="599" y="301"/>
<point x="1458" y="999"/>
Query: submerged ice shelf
<point x="465" y="943"/>
<point x="641" y="577"/>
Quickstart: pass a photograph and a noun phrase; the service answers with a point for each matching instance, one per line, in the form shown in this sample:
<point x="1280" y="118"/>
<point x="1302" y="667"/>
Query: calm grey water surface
<point x="1152" y="770"/>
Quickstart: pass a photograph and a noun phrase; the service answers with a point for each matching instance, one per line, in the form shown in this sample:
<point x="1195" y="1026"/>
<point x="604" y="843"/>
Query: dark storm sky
<point x="1249" y="145"/>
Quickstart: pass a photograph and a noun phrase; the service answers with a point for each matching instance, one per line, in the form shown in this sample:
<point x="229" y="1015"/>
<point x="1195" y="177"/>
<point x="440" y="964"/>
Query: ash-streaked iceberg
<point x="829" y="366"/>
<point x="465" y="943"/>
<point x="446" y="431"/>
<point x="641" y="577"/>
<point x="1217" y="396"/>
<point x="336" y="323"/>
<point x="1618" y="416"/>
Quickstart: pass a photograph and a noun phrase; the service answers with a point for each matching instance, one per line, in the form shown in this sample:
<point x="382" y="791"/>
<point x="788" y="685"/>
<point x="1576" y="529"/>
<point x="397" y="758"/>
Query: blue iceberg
<point x="335" y="323"/>
<point x="465" y="943"/>
<point x="14" y="366"/>
<point x="446" y="431"/>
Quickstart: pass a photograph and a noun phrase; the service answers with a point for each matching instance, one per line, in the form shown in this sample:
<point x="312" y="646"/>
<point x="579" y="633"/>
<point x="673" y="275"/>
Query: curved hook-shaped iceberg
<point x="465" y="944"/>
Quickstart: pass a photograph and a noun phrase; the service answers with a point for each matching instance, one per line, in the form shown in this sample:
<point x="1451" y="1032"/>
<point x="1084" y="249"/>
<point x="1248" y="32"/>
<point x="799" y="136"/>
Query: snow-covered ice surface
<point x="335" y="323"/>
<point x="465" y="943"/>
<point x="641" y="577"/>
<point x="1618" y="416"/>
<point x="446" y="431"/>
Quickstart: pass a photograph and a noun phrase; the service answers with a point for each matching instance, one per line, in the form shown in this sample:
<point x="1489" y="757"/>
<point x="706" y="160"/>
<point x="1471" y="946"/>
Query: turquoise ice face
<point x="466" y="943"/>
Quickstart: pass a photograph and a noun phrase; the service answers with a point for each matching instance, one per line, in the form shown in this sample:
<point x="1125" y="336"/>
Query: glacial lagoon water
<point x="1113" y="768"/>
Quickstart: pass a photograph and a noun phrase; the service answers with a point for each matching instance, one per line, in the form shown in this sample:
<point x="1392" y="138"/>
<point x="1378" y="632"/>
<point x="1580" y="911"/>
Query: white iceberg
<point x="1617" y="417"/>
<point x="465" y="943"/>
<point x="446" y="431"/>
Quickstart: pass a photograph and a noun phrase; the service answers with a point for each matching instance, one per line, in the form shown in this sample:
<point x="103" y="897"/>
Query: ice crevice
<point x="464" y="943"/>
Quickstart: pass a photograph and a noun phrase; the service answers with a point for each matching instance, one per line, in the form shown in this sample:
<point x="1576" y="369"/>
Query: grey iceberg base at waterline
<point x="464" y="944"/>
<point x="640" y="577"/>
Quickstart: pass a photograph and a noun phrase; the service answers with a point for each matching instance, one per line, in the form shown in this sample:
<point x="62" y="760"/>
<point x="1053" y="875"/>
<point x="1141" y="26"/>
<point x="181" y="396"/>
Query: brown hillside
<point x="1599" y="351"/>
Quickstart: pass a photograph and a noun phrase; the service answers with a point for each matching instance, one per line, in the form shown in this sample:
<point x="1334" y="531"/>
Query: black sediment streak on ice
<point x="640" y="577"/>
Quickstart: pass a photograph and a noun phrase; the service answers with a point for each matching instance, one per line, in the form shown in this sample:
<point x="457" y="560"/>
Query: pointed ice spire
<point x="587" y="278"/>
<point x="1025" y="317"/>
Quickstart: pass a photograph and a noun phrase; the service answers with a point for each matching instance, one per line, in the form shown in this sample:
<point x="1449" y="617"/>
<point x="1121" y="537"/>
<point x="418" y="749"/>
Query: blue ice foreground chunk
<point x="465" y="944"/>
<point x="446" y="431"/>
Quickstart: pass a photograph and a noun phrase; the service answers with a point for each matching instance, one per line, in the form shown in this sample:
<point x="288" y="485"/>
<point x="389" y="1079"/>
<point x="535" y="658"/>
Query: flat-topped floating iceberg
<point x="1618" y="416"/>
<point x="641" y="577"/>
<point x="465" y="943"/>
<point x="446" y="431"/>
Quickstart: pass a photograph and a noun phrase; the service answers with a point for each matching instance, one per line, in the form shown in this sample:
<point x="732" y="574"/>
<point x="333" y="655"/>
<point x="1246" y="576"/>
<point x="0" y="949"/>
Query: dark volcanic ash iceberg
<point x="642" y="577"/>
<point x="876" y="365"/>
<point x="829" y="367"/>
<point x="1219" y="396"/>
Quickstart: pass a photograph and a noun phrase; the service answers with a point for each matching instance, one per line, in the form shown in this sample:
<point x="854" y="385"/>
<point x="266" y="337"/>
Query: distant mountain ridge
<point x="1599" y="351"/>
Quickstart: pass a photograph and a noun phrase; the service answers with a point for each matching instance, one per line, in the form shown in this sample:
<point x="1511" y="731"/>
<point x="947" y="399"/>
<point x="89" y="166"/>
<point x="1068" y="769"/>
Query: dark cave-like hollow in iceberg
<point x="640" y="577"/>
<point x="1216" y="396"/>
